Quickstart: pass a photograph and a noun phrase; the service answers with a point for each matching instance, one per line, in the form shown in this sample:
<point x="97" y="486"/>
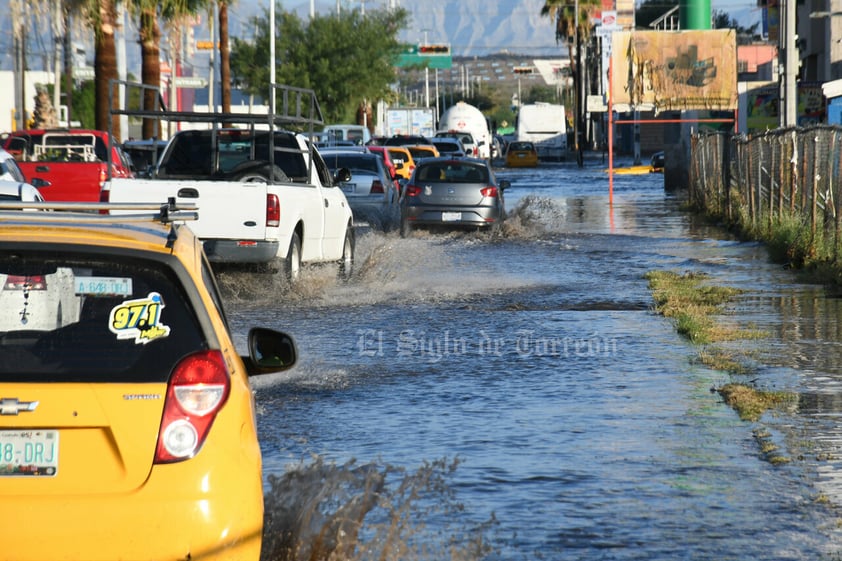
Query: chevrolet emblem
<point x="11" y="406"/>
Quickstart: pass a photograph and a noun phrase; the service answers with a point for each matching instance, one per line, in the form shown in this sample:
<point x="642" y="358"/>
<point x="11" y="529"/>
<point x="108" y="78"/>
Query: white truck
<point x="463" y="117"/>
<point x="264" y="212"/>
<point x="545" y="125"/>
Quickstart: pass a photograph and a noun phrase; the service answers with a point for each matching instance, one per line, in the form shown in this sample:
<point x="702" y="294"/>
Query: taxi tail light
<point x="273" y="211"/>
<point x="412" y="190"/>
<point x="198" y="388"/>
<point x="377" y="187"/>
<point x="23" y="282"/>
<point x="490" y="191"/>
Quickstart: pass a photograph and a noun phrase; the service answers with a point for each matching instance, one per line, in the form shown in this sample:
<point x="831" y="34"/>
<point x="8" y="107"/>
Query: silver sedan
<point x="454" y="193"/>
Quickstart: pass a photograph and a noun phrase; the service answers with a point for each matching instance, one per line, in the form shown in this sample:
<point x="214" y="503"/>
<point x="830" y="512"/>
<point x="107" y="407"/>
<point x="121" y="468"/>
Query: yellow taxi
<point x="421" y="151"/>
<point x="521" y="155"/>
<point x="127" y="420"/>
<point x="402" y="158"/>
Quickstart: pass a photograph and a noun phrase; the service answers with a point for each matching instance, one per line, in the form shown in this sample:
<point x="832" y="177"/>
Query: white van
<point x="358" y="134"/>
<point x="544" y="125"/>
<point x="463" y="117"/>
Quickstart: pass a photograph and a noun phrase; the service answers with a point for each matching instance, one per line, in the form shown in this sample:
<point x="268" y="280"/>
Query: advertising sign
<point x="675" y="70"/>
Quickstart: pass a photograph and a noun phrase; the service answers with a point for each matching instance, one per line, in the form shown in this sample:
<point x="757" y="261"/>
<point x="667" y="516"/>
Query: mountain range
<point x="480" y="27"/>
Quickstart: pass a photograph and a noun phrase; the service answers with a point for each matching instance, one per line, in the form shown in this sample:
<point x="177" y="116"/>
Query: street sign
<point x="431" y="56"/>
<point x="190" y="82"/>
<point x="84" y="73"/>
<point x="206" y="45"/>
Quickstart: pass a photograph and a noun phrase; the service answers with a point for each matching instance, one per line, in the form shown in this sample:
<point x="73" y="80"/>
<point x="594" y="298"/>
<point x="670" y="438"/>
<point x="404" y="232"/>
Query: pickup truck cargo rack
<point x="166" y="213"/>
<point x="289" y="106"/>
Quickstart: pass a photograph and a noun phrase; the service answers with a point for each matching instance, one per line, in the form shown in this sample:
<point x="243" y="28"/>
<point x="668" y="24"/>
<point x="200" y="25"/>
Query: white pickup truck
<point x="252" y="209"/>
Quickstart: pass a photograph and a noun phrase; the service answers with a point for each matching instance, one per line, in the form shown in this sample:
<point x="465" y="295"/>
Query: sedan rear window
<point x="83" y="318"/>
<point x="453" y="172"/>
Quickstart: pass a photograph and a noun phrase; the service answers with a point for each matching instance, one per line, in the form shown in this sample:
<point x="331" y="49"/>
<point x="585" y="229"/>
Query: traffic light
<point x="433" y="49"/>
<point x="523" y="70"/>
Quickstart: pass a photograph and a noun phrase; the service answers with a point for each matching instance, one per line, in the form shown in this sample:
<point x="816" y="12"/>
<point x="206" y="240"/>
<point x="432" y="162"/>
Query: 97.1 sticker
<point x="139" y="319"/>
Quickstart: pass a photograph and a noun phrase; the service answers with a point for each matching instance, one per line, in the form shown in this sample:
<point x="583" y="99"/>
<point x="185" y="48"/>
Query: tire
<point x="260" y="174"/>
<point x="346" y="262"/>
<point x="292" y="264"/>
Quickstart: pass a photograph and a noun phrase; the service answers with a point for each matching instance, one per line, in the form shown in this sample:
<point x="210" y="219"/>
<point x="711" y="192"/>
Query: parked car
<point x="453" y="193"/>
<point x="521" y="155"/>
<point x="404" y="162"/>
<point x="11" y="190"/>
<point x="9" y="168"/>
<point x="656" y="165"/>
<point x="369" y="189"/>
<point x="118" y="369"/>
<point x="450" y="147"/>
<point x="423" y="151"/>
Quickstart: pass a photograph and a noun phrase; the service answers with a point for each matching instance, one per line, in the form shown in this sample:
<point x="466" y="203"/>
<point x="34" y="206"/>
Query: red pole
<point x="610" y="137"/>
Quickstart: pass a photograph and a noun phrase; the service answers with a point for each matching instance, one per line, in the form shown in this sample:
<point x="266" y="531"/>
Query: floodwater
<point x="465" y="397"/>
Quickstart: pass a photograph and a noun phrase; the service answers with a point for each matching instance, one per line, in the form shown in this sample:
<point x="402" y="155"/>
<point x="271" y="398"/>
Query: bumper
<point x="241" y="251"/>
<point x="138" y="526"/>
<point x="470" y="216"/>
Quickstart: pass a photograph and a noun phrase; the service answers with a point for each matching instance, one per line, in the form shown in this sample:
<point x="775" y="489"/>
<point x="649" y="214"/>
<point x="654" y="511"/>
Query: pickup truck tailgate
<point x="242" y="204"/>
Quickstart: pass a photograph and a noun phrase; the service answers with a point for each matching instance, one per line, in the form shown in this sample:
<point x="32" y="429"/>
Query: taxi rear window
<point x="66" y="318"/>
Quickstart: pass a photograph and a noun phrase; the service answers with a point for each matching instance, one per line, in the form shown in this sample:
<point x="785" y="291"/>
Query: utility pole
<point x="789" y="72"/>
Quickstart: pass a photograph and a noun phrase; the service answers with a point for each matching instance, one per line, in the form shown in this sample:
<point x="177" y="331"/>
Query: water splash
<point x="323" y="511"/>
<point x="534" y="217"/>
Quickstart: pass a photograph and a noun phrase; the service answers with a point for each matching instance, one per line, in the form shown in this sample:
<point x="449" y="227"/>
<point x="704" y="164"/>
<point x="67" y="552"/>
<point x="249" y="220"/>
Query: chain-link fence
<point x="779" y="174"/>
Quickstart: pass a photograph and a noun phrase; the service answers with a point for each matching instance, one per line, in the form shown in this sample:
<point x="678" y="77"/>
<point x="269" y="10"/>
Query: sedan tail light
<point x="197" y="390"/>
<point x="377" y="186"/>
<point x="273" y="211"/>
<point x="412" y="190"/>
<point x="490" y="191"/>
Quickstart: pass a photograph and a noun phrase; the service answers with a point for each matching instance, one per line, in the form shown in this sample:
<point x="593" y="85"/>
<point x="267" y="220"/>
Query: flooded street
<point x="464" y="397"/>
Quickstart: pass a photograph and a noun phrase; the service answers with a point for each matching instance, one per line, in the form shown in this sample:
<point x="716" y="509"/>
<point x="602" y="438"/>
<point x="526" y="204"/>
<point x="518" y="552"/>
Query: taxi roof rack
<point x="166" y="213"/>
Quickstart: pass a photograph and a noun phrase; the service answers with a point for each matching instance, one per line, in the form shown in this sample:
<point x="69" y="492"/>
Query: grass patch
<point x="690" y="301"/>
<point x="750" y="403"/>
<point x="723" y="360"/>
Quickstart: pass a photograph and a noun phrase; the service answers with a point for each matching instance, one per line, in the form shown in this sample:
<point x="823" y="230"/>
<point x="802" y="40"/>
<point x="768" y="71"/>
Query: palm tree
<point x="103" y="14"/>
<point x="225" y="56"/>
<point x="572" y="21"/>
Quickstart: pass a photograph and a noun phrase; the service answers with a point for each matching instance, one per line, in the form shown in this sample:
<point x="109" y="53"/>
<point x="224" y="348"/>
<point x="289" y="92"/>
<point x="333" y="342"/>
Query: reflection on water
<point x="579" y="423"/>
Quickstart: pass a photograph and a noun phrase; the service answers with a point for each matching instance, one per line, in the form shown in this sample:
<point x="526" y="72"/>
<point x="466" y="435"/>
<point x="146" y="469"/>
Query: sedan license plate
<point x="521" y="155"/>
<point x="349" y="187"/>
<point x="26" y="453"/>
<point x="451" y="216"/>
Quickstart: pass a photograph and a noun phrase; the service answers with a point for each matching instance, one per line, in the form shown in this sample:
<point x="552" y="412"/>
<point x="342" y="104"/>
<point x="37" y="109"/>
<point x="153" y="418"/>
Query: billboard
<point x="675" y="70"/>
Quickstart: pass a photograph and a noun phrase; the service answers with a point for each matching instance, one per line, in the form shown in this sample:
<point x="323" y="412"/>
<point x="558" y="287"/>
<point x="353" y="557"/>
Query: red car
<point x="390" y="165"/>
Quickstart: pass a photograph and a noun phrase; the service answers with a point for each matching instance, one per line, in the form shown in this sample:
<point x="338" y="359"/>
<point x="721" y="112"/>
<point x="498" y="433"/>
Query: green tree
<point x="344" y="60"/>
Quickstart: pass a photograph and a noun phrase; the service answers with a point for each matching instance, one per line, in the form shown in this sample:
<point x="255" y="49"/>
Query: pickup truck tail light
<point x="273" y="211"/>
<point x="22" y="282"/>
<point x="198" y="388"/>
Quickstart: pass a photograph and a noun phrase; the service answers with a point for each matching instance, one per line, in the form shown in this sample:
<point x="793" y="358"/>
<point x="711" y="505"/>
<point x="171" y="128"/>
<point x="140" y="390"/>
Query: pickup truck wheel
<point x="346" y="263"/>
<point x="292" y="264"/>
